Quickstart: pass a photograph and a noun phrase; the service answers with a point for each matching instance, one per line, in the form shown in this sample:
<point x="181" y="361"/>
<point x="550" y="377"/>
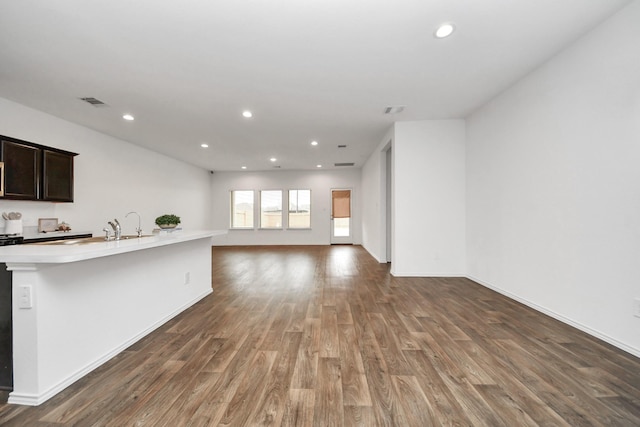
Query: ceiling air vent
<point x="343" y="164"/>
<point x="93" y="101"/>
<point x="394" y="109"/>
<point x="342" y="146"/>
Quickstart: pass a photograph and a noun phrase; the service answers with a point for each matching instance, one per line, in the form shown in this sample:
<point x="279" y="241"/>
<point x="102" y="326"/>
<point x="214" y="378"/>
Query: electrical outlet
<point x="187" y="278"/>
<point x="636" y="307"/>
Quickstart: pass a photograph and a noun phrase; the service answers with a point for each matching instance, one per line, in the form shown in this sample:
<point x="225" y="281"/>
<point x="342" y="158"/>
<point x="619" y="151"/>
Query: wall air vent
<point x="93" y="101"/>
<point x="343" y="164"/>
<point x="342" y="146"/>
<point x="394" y="109"/>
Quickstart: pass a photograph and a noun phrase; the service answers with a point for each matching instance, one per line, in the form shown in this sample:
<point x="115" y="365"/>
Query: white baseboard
<point x="35" y="400"/>
<point x="424" y="274"/>
<point x="586" y="329"/>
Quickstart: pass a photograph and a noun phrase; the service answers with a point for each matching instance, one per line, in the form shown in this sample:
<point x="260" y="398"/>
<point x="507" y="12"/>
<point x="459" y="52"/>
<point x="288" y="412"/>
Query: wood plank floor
<point x="325" y="336"/>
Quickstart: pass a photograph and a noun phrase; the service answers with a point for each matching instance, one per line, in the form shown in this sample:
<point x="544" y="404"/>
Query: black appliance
<point x="10" y="239"/>
<point x="6" y="352"/>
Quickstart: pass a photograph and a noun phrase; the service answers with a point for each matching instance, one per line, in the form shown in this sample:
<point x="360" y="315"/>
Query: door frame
<point x="386" y="197"/>
<point x="347" y="240"/>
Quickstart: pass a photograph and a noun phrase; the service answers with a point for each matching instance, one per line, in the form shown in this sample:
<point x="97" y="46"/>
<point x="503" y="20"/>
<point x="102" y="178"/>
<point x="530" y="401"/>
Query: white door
<point x="341" y="227"/>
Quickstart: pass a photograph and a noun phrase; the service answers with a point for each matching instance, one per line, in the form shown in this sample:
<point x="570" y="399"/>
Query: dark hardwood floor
<point x="325" y="336"/>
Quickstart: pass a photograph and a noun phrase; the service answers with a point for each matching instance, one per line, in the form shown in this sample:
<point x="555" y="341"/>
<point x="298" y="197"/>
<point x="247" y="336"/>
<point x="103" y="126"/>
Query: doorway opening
<point x="341" y="227"/>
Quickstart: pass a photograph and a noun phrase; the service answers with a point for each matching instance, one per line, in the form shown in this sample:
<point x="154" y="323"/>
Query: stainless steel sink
<point x="132" y="236"/>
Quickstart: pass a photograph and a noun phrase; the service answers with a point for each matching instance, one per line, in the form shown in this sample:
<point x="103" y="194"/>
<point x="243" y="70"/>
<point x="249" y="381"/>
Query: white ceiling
<point x="308" y="69"/>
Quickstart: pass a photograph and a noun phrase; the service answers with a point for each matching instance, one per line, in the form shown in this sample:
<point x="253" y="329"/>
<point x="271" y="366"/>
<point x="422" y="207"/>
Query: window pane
<point x="299" y="208"/>
<point x="341" y="227"/>
<point x="271" y="209"/>
<point x="242" y="209"/>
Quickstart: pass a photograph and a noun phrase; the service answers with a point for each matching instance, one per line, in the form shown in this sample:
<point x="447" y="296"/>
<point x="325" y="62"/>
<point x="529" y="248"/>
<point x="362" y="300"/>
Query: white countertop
<point x="63" y="253"/>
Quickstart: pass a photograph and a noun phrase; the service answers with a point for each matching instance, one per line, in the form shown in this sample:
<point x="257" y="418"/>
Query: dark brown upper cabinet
<point x="21" y="170"/>
<point x="36" y="172"/>
<point x="57" y="176"/>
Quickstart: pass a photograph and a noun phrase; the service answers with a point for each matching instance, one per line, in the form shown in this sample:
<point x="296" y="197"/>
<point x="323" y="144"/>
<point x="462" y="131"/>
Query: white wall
<point x="429" y="198"/>
<point x="553" y="184"/>
<point x="319" y="182"/>
<point x="112" y="178"/>
<point x="374" y="200"/>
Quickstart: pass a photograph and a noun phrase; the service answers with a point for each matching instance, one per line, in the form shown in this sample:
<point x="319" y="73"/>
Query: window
<point x="242" y="209"/>
<point x="299" y="208"/>
<point x="271" y="209"/>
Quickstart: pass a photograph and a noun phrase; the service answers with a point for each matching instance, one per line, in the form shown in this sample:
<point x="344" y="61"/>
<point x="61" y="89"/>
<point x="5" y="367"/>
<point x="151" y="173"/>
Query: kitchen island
<point x="76" y="305"/>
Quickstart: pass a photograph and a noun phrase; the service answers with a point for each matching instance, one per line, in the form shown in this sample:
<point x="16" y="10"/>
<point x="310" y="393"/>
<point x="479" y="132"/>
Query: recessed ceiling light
<point x="243" y="167"/>
<point x="247" y="114"/>
<point x="273" y="159"/>
<point x="444" y="30"/>
<point x="204" y="145"/>
<point x="318" y="166"/>
<point x="128" y="117"/>
<point x="314" y="143"/>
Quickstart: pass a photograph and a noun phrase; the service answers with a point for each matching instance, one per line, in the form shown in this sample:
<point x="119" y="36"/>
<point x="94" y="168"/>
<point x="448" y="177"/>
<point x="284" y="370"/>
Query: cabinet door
<point x="58" y="177"/>
<point x="21" y="170"/>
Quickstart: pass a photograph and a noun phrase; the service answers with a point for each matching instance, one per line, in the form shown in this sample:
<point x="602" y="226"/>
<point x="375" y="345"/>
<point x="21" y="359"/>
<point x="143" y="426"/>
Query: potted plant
<point x="167" y="221"/>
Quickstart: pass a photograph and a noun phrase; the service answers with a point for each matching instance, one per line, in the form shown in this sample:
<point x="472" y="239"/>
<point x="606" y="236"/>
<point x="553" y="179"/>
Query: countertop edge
<point x="59" y="254"/>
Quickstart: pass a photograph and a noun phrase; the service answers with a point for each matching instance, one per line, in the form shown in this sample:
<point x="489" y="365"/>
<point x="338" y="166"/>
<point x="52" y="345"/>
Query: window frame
<point x="232" y="212"/>
<point x="289" y="211"/>
<point x="261" y="226"/>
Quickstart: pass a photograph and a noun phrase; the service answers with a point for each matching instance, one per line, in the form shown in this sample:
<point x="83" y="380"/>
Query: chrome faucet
<point x="139" y="229"/>
<point x="116" y="229"/>
<point x="108" y="233"/>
